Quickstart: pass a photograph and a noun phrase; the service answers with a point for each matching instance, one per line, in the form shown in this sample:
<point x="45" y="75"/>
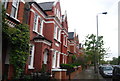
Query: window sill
<point x="7" y="14"/>
<point x="30" y="67"/>
<point x="57" y="40"/>
<point x="14" y="18"/>
<point x="37" y="33"/>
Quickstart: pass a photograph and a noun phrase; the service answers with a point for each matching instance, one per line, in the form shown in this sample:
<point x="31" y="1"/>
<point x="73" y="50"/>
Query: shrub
<point x="76" y="64"/>
<point x="66" y="66"/>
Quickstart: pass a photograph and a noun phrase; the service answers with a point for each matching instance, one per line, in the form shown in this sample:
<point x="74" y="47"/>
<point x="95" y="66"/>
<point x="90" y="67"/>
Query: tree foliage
<point x="114" y="61"/>
<point x="94" y="48"/>
<point x="119" y="60"/>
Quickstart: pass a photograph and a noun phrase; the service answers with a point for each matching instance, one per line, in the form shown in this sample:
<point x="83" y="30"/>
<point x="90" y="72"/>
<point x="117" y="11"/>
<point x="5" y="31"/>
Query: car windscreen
<point x="107" y="68"/>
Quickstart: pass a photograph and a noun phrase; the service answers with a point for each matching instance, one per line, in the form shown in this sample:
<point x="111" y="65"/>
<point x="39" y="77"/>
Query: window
<point x="59" y="35"/>
<point x="35" y="26"/>
<point x="54" y="60"/>
<point x="58" y="60"/>
<point x="66" y="41"/>
<point x="55" y="11"/>
<point x="55" y="32"/>
<point x="31" y="57"/>
<point x="41" y="26"/>
<point x="14" y="8"/>
<point x="5" y="3"/>
<point x="45" y="57"/>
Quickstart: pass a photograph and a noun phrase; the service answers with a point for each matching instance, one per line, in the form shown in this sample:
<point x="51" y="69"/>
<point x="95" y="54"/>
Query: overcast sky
<point x="82" y="18"/>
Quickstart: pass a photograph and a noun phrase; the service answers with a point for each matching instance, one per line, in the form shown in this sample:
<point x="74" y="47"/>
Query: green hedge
<point x="66" y="66"/>
<point x="76" y="64"/>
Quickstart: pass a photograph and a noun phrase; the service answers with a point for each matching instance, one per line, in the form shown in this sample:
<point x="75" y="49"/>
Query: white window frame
<point x="16" y="7"/>
<point x="58" y="60"/>
<point x="35" y="23"/>
<point x="55" y="11"/>
<point x="59" y="35"/>
<point x="54" y="60"/>
<point x="30" y="66"/>
<point x="45" y="57"/>
<point x="66" y="40"/>
<point x="55" y="32"/>
<point x="41" y="27"/>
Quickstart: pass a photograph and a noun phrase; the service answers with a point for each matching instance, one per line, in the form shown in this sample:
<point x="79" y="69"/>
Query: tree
<point x="94" y="49"/>
<point x="114" y="61"/>
<point x="118" y="59"/>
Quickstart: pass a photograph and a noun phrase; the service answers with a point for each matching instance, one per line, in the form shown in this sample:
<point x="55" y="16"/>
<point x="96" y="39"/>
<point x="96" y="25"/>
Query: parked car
<point x="106" y="71"/>
<point x="116" y="73"/>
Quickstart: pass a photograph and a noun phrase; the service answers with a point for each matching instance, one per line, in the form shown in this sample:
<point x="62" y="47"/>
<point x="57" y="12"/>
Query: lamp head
<point x="104" y="13"/>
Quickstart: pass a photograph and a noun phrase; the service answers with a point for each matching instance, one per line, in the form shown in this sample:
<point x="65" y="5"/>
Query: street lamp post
<point x="97" y="22"/>
<point x="97" y="36"/>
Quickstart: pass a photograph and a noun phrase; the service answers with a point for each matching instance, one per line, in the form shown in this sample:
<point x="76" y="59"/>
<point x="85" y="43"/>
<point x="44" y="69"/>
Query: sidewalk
<point x="88" y="74"/>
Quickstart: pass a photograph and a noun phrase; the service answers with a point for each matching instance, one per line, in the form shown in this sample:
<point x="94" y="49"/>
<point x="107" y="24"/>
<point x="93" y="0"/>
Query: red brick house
<point x="53" y="11"/>
<point x="40" y="45"/>
<point x="47" y="28"/>
<point x="15" y="13"/>
<point x="48" y="36"/>
<point x="64" y="40"/>
<point x="73" y="46"/>
<point x="56" y="31"/>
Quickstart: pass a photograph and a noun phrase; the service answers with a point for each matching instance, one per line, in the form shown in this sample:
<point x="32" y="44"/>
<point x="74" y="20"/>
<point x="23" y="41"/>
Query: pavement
<point x="89" y="75"/>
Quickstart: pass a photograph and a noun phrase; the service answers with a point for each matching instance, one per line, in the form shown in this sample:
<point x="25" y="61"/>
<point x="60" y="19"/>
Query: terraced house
<point x="48" y="29"/>
<point x="74" y="47"/>
<point x="48" y="35"/>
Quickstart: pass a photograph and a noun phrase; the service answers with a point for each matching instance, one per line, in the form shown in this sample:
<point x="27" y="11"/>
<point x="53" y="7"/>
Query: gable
<point x="57" y="11"/>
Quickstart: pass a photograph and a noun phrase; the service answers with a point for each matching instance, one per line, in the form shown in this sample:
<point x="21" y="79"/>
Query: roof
<point x="46" y="5"/>
<point x="39" y="7"/>
<point x="70" y="35"/>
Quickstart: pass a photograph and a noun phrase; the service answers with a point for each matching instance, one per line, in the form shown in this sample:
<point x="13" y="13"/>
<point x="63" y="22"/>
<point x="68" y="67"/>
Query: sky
<point x="81" y="16"/>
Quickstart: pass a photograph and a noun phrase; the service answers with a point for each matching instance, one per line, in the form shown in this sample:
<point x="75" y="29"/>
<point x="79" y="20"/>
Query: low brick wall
<point x="73" y="74"/>
<point x="61" y="73"/>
